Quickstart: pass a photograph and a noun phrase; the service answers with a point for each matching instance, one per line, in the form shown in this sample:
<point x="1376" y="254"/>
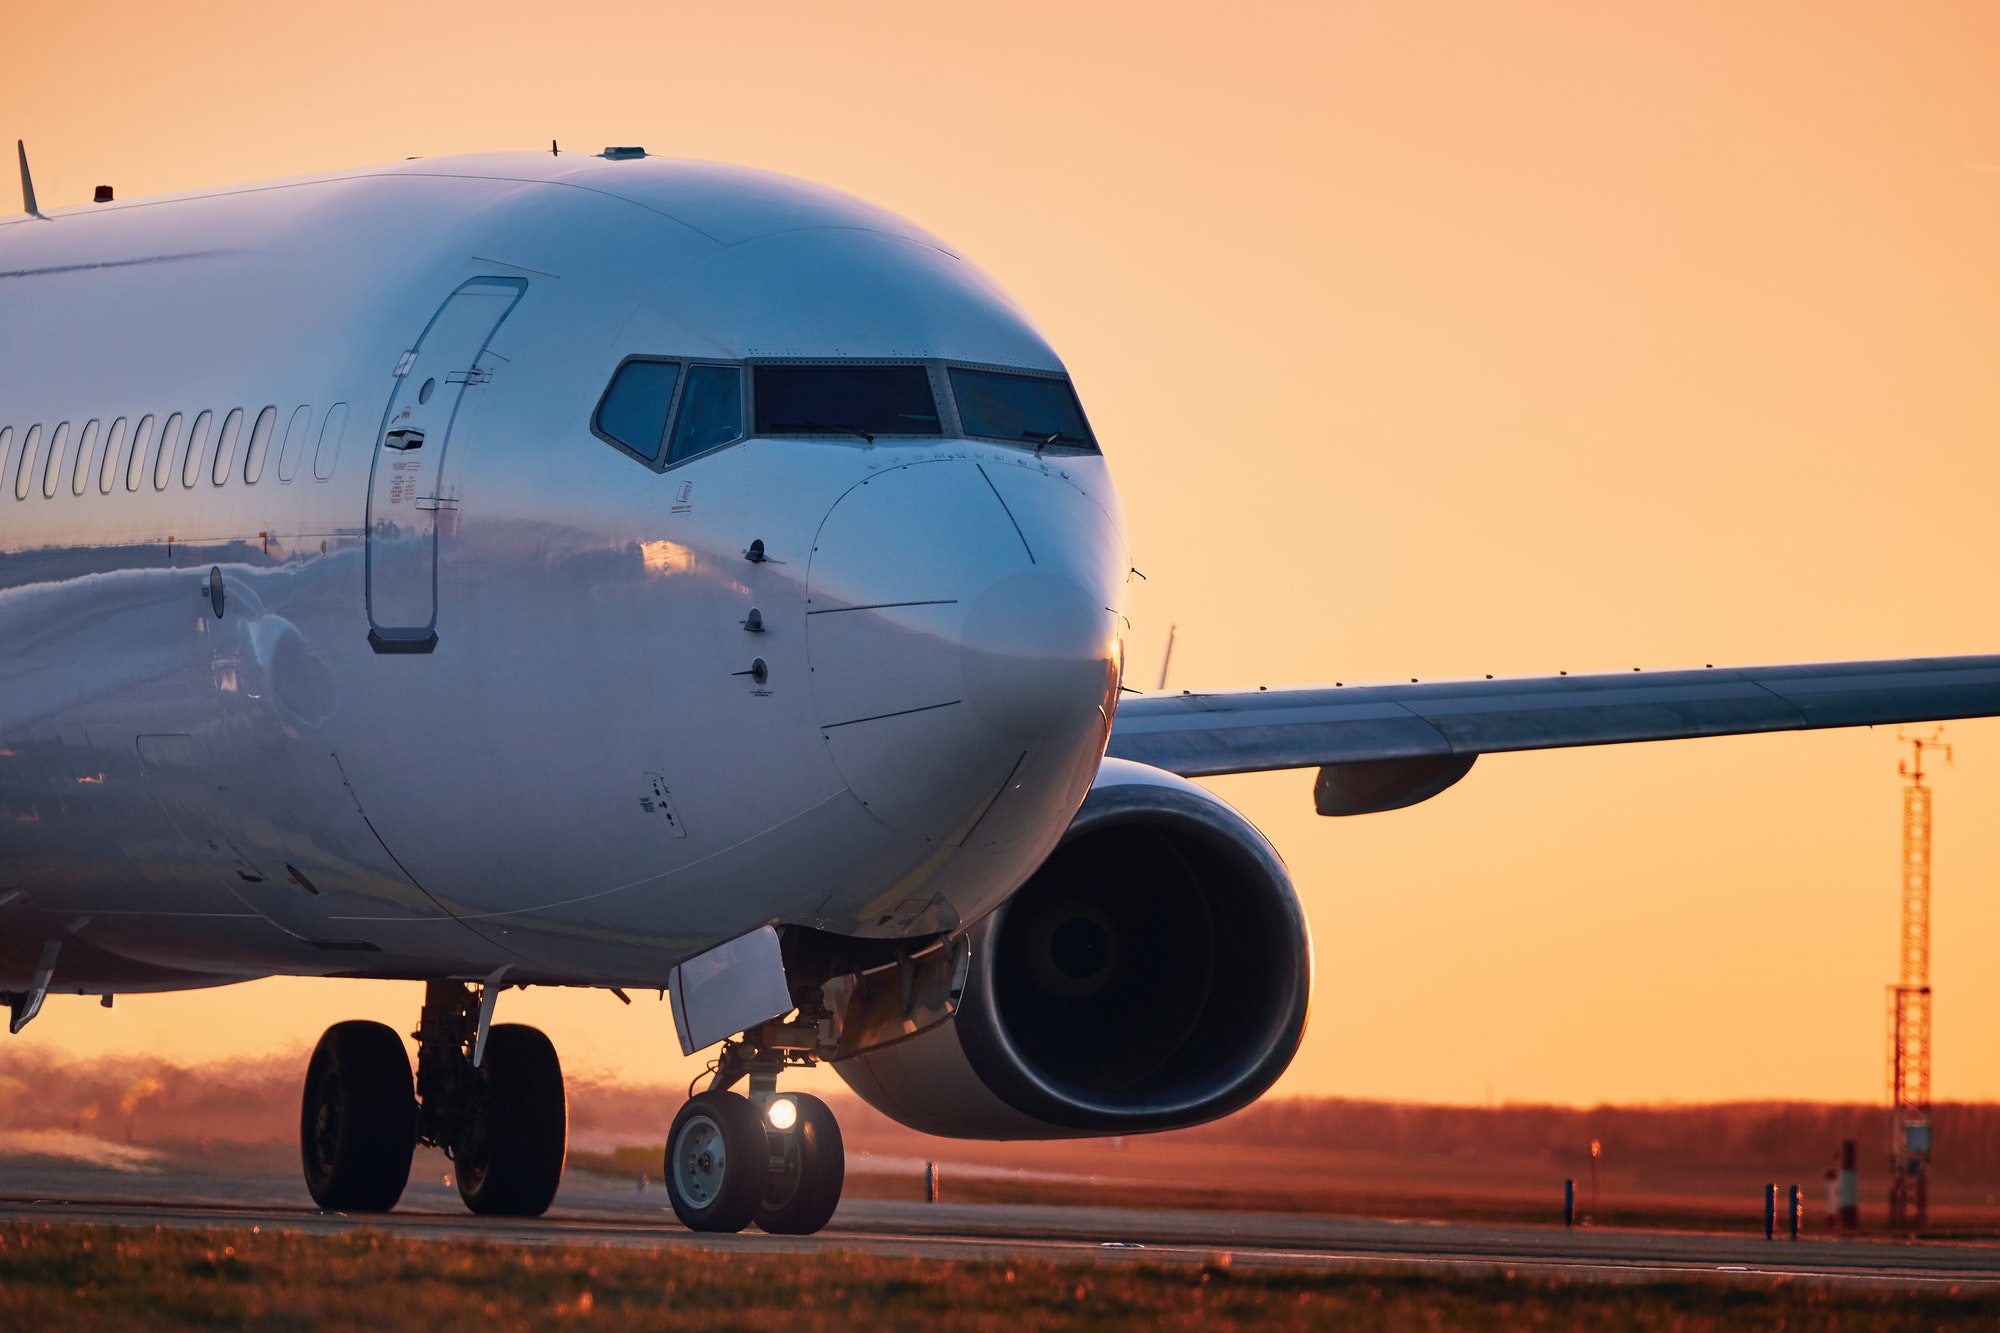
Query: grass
<point x="76" y="1277"/>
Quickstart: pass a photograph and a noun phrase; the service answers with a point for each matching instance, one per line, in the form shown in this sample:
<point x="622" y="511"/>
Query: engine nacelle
<point x="1154" y="973"/>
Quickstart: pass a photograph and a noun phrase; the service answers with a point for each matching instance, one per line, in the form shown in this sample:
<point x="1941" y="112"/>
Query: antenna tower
<point x="1910" y="1006"/>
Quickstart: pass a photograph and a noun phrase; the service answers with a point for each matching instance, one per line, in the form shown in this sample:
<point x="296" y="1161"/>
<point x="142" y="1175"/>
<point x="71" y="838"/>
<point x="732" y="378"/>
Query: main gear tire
<point x="509" y="1160"/>
<point x="358" y="1119"/>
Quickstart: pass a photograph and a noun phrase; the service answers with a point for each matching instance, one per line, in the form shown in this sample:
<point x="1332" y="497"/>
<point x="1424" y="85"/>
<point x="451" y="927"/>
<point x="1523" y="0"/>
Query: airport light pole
<point x="1910" y="1006"/>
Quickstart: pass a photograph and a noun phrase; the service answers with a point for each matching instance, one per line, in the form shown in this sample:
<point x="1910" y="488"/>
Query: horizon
<point x="133" y="1069"/>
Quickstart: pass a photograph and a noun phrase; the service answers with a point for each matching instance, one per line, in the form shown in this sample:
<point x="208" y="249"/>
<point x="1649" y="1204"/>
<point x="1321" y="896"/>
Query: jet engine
<point x="1154" y="973"/>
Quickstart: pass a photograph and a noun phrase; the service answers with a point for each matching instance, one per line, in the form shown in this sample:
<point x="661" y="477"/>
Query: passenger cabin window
<point x="225" y="446"/>
<point x="1041" y="410"/>
<point x="260" y="445"/>
<point x="170" y="441"/>
<point x="294" y="447"/>
<point x="142" y="439"/>
<point x="52" y="474"/>
<point x="858" y="400"/>
<point x="196" y="446"/>
<point x="6" y="451"/>
<point x="633" y="412"/>
<point x="107" y="475"/>
<point x="24" y="471"/>
<point x="86" y="454"/>
<point x="711" y="411"/>
<point x="327" y="455"/>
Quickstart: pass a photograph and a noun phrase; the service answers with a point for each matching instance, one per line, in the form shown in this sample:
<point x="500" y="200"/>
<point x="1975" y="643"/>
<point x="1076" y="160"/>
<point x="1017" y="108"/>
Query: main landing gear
<point x="771" y="1158"/>
<point x="503" y="1122"/>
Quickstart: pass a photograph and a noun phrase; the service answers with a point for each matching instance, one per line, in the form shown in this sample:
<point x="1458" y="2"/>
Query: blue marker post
<point x="1770" y="1212"/>
<point x="1569" y="1203"/>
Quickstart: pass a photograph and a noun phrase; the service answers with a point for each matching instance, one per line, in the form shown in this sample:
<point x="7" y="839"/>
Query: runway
<point x="594" y="1210"/>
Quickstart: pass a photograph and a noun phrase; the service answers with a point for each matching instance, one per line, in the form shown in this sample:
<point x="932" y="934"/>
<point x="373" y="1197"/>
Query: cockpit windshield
<point x="863" y="400"/>
<point x="665" y="410"/>
<point x="1027" y="409"/>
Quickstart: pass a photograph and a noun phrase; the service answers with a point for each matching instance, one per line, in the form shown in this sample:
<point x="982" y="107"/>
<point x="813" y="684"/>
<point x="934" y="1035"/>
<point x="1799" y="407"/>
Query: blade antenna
<point x="27" y="182"/>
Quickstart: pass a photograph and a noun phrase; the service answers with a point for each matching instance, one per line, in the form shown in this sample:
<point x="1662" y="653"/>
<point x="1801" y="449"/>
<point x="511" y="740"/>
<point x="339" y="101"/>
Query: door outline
<point x="459" y="379"/>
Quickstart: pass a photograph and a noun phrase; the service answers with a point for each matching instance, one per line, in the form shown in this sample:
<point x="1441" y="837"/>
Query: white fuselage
<point x="581" y="780"/>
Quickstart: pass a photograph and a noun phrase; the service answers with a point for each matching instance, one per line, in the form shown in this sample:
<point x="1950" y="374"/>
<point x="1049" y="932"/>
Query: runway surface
<point x="595" y="1210"/>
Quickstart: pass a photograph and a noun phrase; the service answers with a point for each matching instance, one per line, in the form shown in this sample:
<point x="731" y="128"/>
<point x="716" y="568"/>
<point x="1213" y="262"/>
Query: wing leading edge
<point x="1426" y="735"/>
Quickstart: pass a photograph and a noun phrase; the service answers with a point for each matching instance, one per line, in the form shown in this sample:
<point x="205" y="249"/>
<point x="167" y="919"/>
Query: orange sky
<point x="1426" y="339"/>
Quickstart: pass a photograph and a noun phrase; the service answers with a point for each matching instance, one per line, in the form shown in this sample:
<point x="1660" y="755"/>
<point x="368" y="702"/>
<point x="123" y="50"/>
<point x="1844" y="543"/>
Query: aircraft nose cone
<point x="1034" y="651"/>
<point x="961" y="646"/>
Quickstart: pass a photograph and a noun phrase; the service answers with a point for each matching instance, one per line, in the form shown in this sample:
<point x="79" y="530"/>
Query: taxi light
<point x="783" y="1113"/>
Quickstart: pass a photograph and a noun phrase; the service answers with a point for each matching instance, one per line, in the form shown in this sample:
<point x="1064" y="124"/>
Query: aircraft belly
<point x="635" y="932"/>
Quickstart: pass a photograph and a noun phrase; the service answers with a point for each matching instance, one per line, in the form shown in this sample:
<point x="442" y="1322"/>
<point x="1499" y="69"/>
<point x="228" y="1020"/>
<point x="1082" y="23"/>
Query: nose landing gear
<point x="772" y="1158"/>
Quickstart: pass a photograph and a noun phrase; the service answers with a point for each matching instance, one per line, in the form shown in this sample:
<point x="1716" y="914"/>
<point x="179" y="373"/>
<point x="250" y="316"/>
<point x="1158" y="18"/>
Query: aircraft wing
<point x="1384" y="743"/>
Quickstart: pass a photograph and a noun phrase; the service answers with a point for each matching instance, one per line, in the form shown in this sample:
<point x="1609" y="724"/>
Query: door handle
<point x="404" y="439"/>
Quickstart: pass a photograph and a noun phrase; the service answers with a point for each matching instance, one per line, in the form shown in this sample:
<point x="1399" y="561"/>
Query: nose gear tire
<point x="358" y="1119"/>
<point x="509" y="1160"/>
<point x="717" y="1161"/>
<point x="809" y="1166"/>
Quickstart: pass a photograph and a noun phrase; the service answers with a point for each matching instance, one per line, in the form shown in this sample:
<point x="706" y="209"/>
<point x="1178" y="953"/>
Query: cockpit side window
<point x="1041" y="410"/>
<point x="711" y="412"/>
<point x="857" y="399"/>
<point x="633" y="412"/>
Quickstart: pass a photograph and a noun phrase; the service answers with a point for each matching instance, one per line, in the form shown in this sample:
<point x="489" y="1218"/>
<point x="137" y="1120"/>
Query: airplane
<point x="603" y="570"/>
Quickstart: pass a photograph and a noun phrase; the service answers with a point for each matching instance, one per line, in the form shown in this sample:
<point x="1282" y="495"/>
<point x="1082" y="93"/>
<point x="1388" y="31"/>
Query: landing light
<point x="783" y="1113"/>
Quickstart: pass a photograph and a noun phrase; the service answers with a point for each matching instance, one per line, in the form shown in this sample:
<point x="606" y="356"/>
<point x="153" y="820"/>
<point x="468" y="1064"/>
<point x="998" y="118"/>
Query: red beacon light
<point x="103" y="195"/>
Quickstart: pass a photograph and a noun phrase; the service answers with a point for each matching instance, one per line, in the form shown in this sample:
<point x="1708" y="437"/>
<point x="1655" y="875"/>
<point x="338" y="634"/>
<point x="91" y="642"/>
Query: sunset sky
<point x="1424" y="340"/>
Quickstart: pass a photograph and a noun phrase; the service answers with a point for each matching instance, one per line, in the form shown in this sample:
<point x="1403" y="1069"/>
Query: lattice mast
<point x="1910" y="1006"/>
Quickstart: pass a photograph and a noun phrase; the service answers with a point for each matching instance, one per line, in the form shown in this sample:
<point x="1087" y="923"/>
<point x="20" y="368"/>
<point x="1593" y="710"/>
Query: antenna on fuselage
<point x="27" y="182"/>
